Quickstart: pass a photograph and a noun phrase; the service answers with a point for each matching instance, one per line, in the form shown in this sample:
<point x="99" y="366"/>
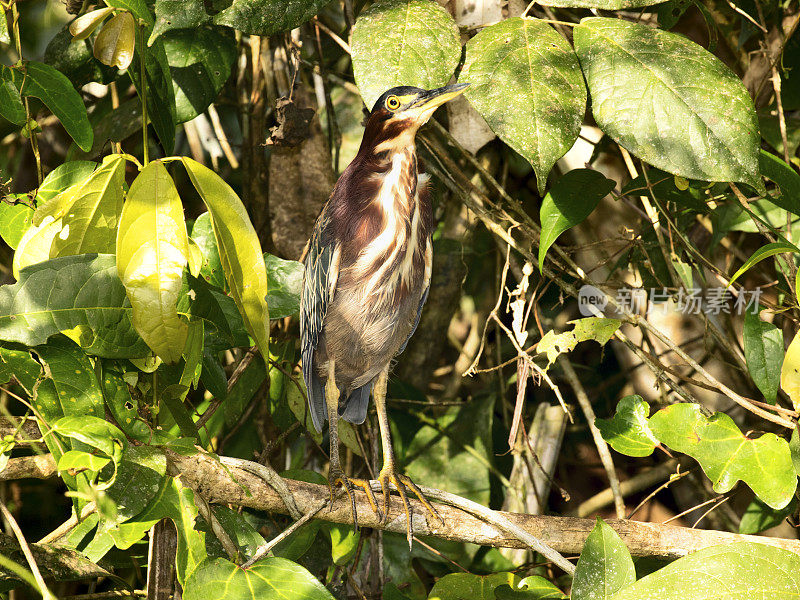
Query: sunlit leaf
<point x="763" y="351"/>
<point x="669" y="101"/>
<point x="17" y="363"/>
<point x="628" y="431"/>
<point x="735" y="571"/>
<point x="78" y="460"/>
<point x="97" y="433"/>
<point x="526" y="82"/>
<point x="62" y="177"/>
<point x="152" y="251"/>
<point x="15" y="219"/>
<point x="267" y="579"/>
<point x="82" y="27"/>
<point x="239" y="250"/>
<point x="34" y="245"/>
<point x="138" y="479"/>
<point x="403" y="42"/>
<point x="533" y="587"/>
<point x="790" y="372"/>
<point x="456" y="586"/>
<point x="203" y="234"/>
<point x="726" y="455"/>
<point x="344" y="542"/>
<point x="114" y="45"/>
<point x="573" y="198"/>
<point x="591" y="328"/>
<point x="604" y="567"/>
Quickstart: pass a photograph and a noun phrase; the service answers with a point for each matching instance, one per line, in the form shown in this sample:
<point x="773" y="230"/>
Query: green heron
<point x="367" y="274"/>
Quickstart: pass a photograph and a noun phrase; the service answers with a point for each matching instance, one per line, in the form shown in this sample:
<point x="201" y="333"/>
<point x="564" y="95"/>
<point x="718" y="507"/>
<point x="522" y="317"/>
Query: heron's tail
<point x="355" y="409"/>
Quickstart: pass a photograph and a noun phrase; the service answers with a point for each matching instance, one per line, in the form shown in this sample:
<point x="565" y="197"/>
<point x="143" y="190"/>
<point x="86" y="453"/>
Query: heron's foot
<point x="389" y="475"/>
<point x="337" y="477"/>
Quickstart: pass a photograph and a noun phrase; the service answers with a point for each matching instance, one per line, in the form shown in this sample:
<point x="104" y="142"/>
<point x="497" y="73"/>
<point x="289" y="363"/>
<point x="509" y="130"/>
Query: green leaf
<point x="763" y="351"/>
<point x="15" y="219"/>
<point x="457" y="586"/>
<point x="344" y="542"/>
<point x="123" y="406"/>
<point x="239" y="250"/>
<point x="573" y="198"/>
<point x="758" y="516"/>
<point x="79" y="460"/>
<point x="591" y="328"/>
<point x="526" y="83"/>
<point x="726" y="456"/>
<point x="770" y="249"/>
<point x="203" y="235"/>
<point x="771" y="133"/>
<point x="62" y="177"/>
<point x="736" y="571"/>
<point x="177" y="14"/>
<point x="137" y="7"/>
<point x="41" y="305"/>
<point x="628" y="432"/>
<point x="239" y="529"/>
<point x="223" y="326"/>
<point x="530" y="588"/>
<point x="34" y="245"/>
<point x="18" y="363"/>
<point x="790" y="371"/>
<point x="90" y="430"/>
<point x="160" y="93"/>
<point x="11" y="107"/>
<point x="138" y="480"/>
<point x="90" y="223"/>
<point x="73" y="374"/>
<point x="604" y="567"/>
<point x="83" y="26"/>
<point x="200" y="62"/>
<point x="55" y="90"/>
<point x="285" y="284"/>
<point x="794" y="448"/>
<point x="701" y="126"/>
<point x="268" y="17"/>
<point x="5" y="38"/>
<point x="268" y="579"/>
<point x="786" y="177"/>
<point x="403" y="42"/>
<point x="152" y="251"/>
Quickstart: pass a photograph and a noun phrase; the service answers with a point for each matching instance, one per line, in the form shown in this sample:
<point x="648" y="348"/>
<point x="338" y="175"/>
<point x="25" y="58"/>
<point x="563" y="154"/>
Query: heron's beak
<point x="433" y="99"/>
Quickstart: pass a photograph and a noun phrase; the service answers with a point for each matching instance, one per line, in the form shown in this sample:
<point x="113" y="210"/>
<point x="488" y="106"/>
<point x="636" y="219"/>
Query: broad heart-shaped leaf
<point x="11" y="107"/>
<point x="604" y="567"/>
<point x="601" y="4"/>
<point x="669" y="101"/>
<point x="726" y="456"/>
<point x="790" y="372"/>
<point x="14" y="221"/>
<point x="533" y="587"/>
<point x="526" y="82"/>
<point x="591" y="328"/>
<point x="628" y="431"/>
<point x="55" y="90"/>
<point x="573" y="198"/>
<point x="285" y="283"/>
<point x="403" y="42"/>
<point x="762" y="253"/>
<point x="763" y="351"/>
<point x="267" y="579"/>
<point x="268" y="17"/>
<point x="200" y="61"/>
<point x="239" y="250"/>
<point x="90" y="223"/>
<point x="737" y="571"/>
<point x="456" y="586"/>
<point x="152" y="251"/>
<point x="79" y="293"/>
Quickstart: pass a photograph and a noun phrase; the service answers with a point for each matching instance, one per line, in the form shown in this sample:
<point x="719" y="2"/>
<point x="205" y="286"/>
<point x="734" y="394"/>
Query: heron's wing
<point x="426" y="288"/>
<point x="319" y="283"/>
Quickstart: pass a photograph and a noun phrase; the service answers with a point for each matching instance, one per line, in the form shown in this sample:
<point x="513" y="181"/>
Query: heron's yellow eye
<point x="393" y="103"/>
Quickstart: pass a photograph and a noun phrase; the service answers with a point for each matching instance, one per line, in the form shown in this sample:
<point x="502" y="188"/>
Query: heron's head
<point x="400" y="111"/>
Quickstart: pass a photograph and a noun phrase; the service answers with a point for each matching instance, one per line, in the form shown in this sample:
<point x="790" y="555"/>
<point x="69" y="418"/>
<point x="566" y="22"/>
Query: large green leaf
<point x="268" y="579"/>
<point x="152" y="251"/>
<point x="73" y="374"/>
<point x="763" y="351"/>
<point x="200" y="62"/>
<point x="268" y="17"/>
<point x="726" y="455"/>
<point x="90" y="223"/>
<point x="456" y="586"/>
<point x="15" y="219"/>
<point x="285" y="283"/>
<point x="573" y="198"/>
<point x="34" y="245"/>
<point x="239" y="250"/>
<point x="403" y="42"/>
<point x="790" y="371"/>
<point x="737" y="571"/>
<point x="604" y="567"/>
<point x="177" y="14"/>
<point x="62" y="177"/>
<point x="526" y="82"/>
<point x="701" y="126"/>
<point x="80" y="293"/>
<point x="55" y="90"/>
<point x="533" y="587"/>
<point x="628" y="431"/>
<point x="11" y="107"/>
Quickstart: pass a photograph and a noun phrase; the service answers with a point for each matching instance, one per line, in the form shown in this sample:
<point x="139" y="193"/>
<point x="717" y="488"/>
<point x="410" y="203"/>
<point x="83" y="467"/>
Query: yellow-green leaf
<point x="90" y="224"/>
<point x="152" y="251"/>
<point x="34" y="247"/>
<point x="114" y="44"/>
<point x="239" y="250"/>
<point x="790" y="372"/>
<point x="590" y="328"/>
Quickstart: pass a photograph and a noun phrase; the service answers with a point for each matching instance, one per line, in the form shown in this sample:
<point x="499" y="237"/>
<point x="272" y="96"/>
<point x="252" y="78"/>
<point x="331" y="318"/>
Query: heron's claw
<point x="337" y="477"/>
<point x="388" y="476"/>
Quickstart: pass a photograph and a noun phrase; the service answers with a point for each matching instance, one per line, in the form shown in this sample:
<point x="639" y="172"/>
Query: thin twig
<point x="26" y="550"/>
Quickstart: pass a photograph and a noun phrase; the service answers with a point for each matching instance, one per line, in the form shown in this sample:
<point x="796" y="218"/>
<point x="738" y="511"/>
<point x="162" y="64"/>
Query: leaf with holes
<point x="403" y="42"/>
<point x="152" y="251"/>
<point x="526" y="82"/>
<point x="591" y="328"/>
<point x="669" y="101"/>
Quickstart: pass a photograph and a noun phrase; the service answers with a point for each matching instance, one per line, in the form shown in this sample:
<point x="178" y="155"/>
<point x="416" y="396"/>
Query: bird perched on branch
<point x="367" y="274"/>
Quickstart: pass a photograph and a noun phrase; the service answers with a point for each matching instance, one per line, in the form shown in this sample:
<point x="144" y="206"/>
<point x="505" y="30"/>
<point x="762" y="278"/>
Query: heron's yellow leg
<point x="389" y="472"/>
